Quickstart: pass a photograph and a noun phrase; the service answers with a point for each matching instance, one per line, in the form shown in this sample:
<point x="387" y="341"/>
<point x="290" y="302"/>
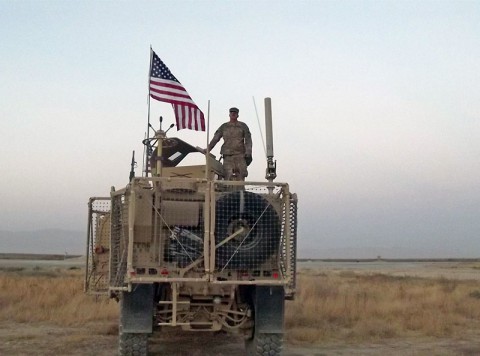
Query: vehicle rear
<point x="198" y="252"/>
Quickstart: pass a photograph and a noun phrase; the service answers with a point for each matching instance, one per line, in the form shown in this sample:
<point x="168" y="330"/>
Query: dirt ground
<point x="102" y="339"/>
<point x="44" y="339"/>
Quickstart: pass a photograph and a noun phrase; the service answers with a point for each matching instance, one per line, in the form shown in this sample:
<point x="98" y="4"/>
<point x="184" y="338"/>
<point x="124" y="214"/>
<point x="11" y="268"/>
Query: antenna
<point x="169" y="128"/>
<point x="259" y="126"/>
<point x="271" y="173"/>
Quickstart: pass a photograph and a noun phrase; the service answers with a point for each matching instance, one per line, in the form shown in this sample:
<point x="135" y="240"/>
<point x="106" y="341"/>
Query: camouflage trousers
<point x="235" y="167"/>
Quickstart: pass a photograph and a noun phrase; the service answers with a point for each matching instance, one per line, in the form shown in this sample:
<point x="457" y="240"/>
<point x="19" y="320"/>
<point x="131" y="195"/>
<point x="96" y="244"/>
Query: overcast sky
<point x="375" y="104"/>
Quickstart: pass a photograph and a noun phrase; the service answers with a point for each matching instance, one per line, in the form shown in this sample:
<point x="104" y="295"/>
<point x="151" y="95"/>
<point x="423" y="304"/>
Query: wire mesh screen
<point x="182" y="227"/>
<point x="251" y="234"/>
<point x="98" y="243"/>
<point x="185" y="246"/>
<point x="248" y="230"/>
<point x="288" y="259"/>
<point x="119" y="240"/>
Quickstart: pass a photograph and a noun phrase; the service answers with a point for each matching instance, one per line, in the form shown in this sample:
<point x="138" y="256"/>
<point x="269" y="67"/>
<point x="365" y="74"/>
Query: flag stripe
<point x="171" y="96"/>
<point x="169" y="87"/>
<point x="171" y="93"/>
<point x="172" y="99"/>
<point x="167" y="83"/>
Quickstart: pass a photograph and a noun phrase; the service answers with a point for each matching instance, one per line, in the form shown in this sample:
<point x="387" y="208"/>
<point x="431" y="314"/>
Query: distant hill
<point x="58" y="241"/>
<point x="49" y="241"/>
<point x="420" y="251"/>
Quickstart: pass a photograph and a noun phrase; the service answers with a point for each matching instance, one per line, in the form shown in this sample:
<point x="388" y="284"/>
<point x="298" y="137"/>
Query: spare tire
<point x="260" y="237"/>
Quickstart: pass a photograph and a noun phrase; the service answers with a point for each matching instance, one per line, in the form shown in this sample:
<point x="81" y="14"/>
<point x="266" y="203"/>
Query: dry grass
<point x="328" y="306"/>
<point x="54" y="296"/>
<point x="351" y="307"/>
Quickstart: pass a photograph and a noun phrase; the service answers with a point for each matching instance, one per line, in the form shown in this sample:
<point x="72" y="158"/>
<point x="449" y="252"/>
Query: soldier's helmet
<point x="234" y="110"/>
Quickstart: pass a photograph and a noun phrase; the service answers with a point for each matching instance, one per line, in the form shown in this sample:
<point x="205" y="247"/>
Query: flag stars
<point x="160" y="70"/>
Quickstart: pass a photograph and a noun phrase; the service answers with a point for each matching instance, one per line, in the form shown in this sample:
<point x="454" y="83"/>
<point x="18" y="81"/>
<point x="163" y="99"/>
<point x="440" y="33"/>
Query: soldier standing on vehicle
<point x="237" y="147"/>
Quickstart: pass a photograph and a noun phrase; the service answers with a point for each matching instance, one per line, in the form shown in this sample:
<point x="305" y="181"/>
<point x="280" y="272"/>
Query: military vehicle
<point x="180" y="247"/>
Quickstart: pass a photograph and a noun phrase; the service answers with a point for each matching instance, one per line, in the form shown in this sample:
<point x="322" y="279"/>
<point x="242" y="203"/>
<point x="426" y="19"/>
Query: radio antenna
<point x="259" y="126"/>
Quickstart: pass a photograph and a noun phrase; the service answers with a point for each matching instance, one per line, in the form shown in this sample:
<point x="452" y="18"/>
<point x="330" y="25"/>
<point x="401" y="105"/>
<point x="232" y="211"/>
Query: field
<point x="340" y="309"/>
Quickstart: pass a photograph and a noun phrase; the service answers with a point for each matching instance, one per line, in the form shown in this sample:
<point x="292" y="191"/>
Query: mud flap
<point x="137" y="309"/>
<point x="269" y="309"/>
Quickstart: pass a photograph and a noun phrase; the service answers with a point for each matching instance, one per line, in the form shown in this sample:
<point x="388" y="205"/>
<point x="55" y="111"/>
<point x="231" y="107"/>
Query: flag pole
<point x="148" y="115"/>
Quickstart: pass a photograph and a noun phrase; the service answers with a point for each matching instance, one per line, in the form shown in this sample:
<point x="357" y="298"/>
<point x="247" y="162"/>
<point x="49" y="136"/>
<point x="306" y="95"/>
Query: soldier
<point x="237" y="147"/>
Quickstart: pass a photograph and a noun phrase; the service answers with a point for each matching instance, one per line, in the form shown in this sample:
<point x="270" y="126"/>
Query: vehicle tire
<point x="133" y="344"/>
<point x="261" y="236"/>
<point x="264" y="344"/>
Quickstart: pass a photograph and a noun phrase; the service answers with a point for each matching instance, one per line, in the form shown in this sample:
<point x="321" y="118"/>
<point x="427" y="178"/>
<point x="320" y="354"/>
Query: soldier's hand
<point x="248" y="159"/>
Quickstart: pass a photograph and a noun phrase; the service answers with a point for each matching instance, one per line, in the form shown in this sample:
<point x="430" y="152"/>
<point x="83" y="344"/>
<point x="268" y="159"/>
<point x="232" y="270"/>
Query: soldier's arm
<point x="248" y="141"/>
<point x="216" y="137"/>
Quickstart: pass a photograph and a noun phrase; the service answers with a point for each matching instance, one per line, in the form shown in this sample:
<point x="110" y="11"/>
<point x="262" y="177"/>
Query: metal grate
<point x="185" y="246"/>
<point x="289" y="248"/>
<point x="191" y="230"/>
<point x="182" y="228"/>
<point x="251" y="238"/>
<point x="98" y="245"/>
<point x="247" y="231"/>
<point x="119" y="240"/>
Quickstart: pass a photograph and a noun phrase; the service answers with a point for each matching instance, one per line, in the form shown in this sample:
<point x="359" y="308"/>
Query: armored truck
<point x="180" y="247"/>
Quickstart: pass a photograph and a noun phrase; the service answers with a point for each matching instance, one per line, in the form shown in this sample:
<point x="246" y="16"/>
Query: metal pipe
<point x="271" y="171"/>
<point x="89" y="243"/>
<point x="268" y="126"/>
<point x="160" y="135"/>
<point x="206" y="224"/>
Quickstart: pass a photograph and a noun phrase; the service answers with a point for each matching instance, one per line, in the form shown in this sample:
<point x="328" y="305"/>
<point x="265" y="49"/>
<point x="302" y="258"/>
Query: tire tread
<point x="264" y="344"/>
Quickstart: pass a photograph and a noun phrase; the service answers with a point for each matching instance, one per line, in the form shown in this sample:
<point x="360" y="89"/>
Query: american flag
<point x="165" y="87"/>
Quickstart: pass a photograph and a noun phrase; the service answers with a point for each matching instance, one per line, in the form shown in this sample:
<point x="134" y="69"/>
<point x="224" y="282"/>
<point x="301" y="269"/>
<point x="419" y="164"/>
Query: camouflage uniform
<point x="237" y="144"/>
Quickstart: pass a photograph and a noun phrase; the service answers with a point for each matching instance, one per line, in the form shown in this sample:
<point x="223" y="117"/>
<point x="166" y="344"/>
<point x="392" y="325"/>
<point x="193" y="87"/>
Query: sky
<point x="376" y="110"/>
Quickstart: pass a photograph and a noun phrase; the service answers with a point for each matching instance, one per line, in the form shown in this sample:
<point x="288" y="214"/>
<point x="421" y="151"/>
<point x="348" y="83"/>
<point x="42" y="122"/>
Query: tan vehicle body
<point x="185" y="248"/>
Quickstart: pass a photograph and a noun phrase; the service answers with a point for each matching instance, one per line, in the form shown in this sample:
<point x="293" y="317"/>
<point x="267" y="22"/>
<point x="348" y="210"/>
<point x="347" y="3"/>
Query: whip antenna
<point x="259" y="126"/>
